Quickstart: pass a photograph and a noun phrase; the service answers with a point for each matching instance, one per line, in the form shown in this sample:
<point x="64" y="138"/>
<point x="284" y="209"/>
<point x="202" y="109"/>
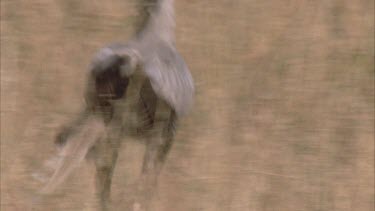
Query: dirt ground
<point x="283" y="116"/>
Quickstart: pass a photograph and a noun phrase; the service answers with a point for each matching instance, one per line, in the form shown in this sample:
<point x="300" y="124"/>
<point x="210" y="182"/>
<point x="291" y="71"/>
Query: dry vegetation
<point x="283" y="117"/>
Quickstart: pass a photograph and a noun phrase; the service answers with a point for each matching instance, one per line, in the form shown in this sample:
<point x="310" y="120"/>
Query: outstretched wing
<point x="169" y="76"/>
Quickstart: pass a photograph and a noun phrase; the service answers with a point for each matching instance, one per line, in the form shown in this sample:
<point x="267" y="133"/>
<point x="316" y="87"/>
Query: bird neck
<point x="157" y="19"/>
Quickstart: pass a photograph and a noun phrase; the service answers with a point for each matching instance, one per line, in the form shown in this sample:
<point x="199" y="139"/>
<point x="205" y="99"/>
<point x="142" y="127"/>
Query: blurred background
<point x="283" y="116"/>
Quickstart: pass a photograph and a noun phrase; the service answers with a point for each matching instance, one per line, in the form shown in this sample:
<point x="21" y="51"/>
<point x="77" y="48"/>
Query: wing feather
<point x="170" y="77"/>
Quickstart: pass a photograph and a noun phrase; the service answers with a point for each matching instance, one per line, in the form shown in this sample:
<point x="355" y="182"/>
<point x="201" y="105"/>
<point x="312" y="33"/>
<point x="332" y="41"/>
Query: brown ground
<point x="283" y="117"/>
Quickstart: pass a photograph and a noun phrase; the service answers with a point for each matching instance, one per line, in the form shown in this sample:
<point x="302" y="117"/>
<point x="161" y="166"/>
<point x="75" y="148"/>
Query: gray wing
<point x="170" y="77"/>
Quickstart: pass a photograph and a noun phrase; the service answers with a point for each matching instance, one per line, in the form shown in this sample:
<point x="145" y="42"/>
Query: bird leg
<point x="105" y="154"/>
<point x="105" y="151"/>
<point x="157" y="147"/>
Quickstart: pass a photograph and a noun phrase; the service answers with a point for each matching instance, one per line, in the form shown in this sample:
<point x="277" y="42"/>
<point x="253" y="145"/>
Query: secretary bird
<point x="140" y="88"/>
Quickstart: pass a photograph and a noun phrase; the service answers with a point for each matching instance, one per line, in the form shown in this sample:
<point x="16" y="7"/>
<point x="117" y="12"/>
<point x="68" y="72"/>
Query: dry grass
<point x="284" y="111"/>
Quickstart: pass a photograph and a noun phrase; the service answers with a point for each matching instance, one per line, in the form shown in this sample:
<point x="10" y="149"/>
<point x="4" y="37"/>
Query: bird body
<point x="141" y="88"/>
